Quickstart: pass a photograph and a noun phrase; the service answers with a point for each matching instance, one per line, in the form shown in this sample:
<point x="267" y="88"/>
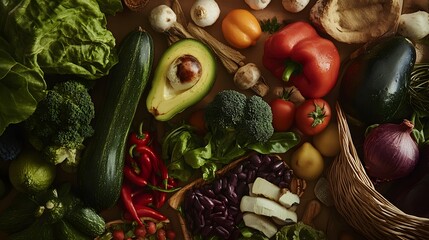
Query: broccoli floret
<point x="225" y="112"/>
<point x="11" y="143"/>
<point x="256" y="125"/>
<point x="61" y="122"/>
<point x="249" y="119"/>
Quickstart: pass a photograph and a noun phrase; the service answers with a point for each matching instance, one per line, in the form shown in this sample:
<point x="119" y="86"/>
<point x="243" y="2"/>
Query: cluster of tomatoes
<point x="309" y="116"/>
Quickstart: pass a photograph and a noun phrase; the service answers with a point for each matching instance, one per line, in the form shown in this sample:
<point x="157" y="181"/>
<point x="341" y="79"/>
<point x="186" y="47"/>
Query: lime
<point x="30" y="173"/>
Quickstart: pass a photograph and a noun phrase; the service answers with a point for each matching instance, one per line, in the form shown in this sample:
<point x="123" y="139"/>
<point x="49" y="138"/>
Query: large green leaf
<point x="60" y="36"/>
<point x="21" y="88"/>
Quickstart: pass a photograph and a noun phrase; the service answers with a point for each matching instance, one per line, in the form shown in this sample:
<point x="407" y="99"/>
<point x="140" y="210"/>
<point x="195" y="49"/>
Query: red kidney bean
<point x="222" y="198"/>
<point x="239" y="169"/>
<point x="233" y="178"/>
<point x="198" y="206"/>
<point x="224" y="182"/>
<point x="209" y="193"/>
<point x="216" y="202"/>
<point x="276" y="165"/>
<point x="251" y="175"/>
<point x="242" y="176"/>
<point x="283" y="184"/>
<point x="222" y="232"/>
<point x="255" y="160"/>
<point x="217" y="186"/>
<point x="206" y="202"/>
<point x="265" y="160"/>
<point x="219" y="208"/>
<point x="207" y="230"/>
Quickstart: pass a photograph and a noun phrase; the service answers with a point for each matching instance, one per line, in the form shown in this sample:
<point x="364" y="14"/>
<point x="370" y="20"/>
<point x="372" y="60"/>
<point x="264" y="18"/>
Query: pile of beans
<point x="214" y="208"/>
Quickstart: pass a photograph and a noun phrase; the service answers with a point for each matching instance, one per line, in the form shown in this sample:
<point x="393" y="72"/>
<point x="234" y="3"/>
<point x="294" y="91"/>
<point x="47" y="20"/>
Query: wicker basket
<point x="136" y="5"/>
<point x="360" y="204"/>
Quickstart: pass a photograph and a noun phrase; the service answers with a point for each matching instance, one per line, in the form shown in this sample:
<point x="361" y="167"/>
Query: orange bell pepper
<point x="241" y="29"/>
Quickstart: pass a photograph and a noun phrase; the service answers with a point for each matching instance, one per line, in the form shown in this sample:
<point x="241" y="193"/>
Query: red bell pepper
<point x="297" y="53"/>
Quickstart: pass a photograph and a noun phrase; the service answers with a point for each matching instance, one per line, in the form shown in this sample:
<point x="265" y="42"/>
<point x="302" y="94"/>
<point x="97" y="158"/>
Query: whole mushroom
<point x="249" y="77"/>
<point x="257" y="4"/>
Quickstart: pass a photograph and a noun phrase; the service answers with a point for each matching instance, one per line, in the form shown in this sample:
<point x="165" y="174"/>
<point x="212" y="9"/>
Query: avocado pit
<point x="184" y="72"/>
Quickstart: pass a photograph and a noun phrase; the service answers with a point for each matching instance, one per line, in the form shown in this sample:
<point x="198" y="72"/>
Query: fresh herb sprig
<point x="270" y="25"/>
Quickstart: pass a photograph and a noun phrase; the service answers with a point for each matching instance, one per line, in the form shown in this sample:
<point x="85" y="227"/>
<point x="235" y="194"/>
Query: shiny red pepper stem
<point x="291" y="67"/>
<point x="140" y="138"/>
<point x="128" y="203"/>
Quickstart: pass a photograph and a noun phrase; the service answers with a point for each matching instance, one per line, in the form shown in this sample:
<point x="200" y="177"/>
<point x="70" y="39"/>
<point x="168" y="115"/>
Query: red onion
<point x="390" y="152"/>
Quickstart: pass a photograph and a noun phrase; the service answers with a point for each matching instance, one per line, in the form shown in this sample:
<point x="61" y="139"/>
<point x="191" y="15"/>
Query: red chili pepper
<point x="142" y="199"/>
<point x="139" y="138"/>
<point x="298" y="52"/>
<point x="145" y="166"/>
<point x="128" y="203"/>
<point x="157" y="163"/>
<point x="133" y="177"/>
<point x="148" y="212"/>
<point x="160" y="199"/>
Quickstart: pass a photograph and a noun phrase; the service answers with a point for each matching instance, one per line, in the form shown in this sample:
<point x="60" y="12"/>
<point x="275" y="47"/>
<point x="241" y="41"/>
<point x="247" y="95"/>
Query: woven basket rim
<point x="357" y="200"/>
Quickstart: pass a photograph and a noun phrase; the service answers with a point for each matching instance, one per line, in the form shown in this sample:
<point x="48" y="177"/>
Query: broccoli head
<point x="62" y="121"/>
<point x="225" y="112"/>
<point x="250" y="119"/>
<point x="256" y="125"/>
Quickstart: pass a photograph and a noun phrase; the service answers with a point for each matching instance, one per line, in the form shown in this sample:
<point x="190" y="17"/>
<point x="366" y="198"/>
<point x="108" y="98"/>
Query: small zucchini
<point x="100" y="170"/>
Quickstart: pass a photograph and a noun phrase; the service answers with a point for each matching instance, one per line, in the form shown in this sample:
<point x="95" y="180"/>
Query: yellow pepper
<point x="241" y="29"/>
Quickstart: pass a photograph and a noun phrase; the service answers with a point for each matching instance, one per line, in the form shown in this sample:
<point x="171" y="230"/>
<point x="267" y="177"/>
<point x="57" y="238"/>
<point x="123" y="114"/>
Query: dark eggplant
<point x="375" y="80"/>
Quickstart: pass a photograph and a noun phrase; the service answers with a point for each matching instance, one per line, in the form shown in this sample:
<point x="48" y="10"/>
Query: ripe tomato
<point x="283" y="114"/>
<point x="313" y="116"/>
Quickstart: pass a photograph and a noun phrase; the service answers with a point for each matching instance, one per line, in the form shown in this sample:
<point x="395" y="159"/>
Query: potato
<point x="328" y="141"/>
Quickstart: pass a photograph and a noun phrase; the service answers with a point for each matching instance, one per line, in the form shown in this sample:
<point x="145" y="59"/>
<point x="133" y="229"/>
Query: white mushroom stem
<point x="249" y="76"/>
<point x="257" y="4"/>
<point x="294" y="6"/>
<point x="414" y="25"/>
<point x="205" y="12"/>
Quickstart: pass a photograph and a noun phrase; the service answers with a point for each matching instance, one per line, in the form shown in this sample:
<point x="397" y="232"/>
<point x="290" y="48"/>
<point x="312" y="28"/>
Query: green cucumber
<point x="100" y="170"/>
<point x="65" y="231"/>
<point x="87" y="221"/>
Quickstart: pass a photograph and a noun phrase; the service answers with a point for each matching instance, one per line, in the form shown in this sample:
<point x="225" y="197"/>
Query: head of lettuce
<point x="67" y="37"/>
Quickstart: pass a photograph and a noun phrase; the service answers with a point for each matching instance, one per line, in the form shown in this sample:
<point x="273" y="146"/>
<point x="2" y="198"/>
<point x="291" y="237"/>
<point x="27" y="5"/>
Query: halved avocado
<point x="185" y="74"/>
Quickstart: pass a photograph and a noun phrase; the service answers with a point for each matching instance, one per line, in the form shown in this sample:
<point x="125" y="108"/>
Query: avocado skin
<point x="374" y="84"/>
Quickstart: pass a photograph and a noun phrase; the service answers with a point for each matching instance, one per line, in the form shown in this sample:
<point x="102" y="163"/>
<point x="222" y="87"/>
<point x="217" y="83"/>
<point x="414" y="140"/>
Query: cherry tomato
<point x="151" y="228"/>
<point x="312" y="116"/>
<point x="140" y="231"/>
<point x="161" y="234"/>
<point x="118" y="234"/>
<point x="283" y="114"/>
<point x="171" y="235"/>
<point x="196" y="120"/>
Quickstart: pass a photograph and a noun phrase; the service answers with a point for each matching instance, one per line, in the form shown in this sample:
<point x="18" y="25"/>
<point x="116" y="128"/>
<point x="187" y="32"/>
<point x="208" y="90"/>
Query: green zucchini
<point x="87" y="221"/>
<point x="65" y="231"/>
<point x="100" y="169"/>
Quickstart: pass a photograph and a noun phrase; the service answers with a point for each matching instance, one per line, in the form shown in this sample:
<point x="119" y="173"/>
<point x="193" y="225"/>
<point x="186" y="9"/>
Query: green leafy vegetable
<point x="110" y="6"/>
<point x="62" y="37"/>
<point x="21" y="88"/>
<point x="299" y="231"/>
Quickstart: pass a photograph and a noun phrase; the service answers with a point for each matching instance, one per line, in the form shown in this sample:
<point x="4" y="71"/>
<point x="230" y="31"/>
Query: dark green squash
<point x="100" y="170"/>
<point x="374" y="84"/>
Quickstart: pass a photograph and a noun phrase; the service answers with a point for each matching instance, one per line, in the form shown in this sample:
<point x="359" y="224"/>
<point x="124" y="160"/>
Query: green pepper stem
<point x="291" y="67"/>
